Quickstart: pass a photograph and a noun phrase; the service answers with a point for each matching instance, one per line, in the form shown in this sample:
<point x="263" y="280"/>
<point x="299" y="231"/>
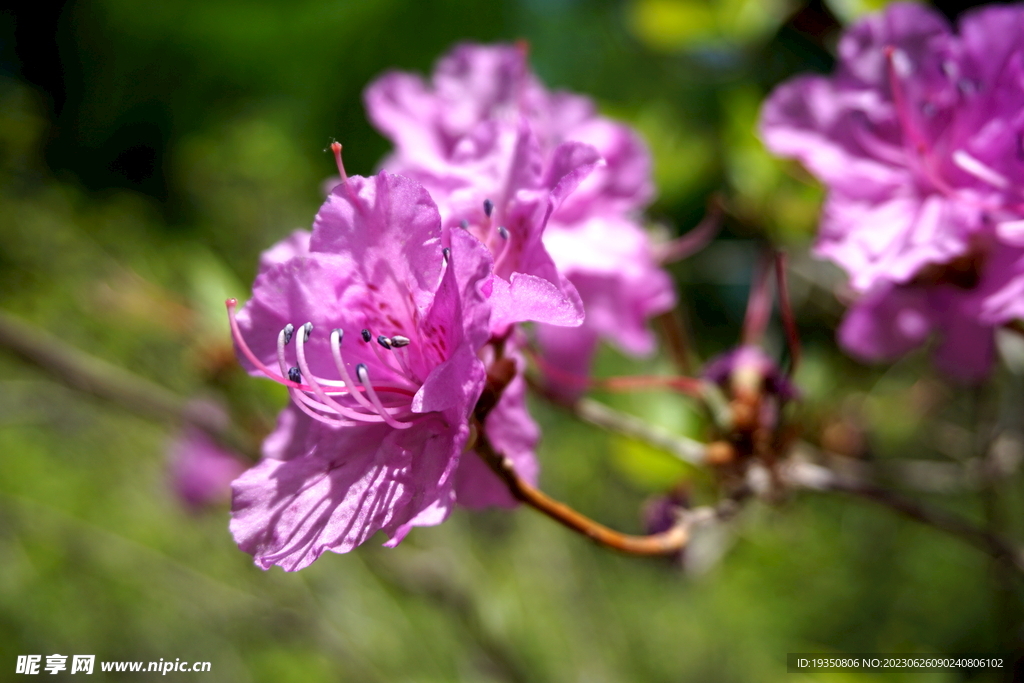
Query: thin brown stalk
<point x="665" y="543"/>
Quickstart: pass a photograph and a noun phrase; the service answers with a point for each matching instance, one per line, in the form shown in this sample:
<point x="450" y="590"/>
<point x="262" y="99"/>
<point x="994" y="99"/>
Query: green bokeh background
<point x="148" y="155"/>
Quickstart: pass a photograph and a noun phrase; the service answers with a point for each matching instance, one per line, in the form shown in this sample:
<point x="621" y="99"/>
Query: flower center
<point x="920" y="157"/>
<point x="342" y="402"/>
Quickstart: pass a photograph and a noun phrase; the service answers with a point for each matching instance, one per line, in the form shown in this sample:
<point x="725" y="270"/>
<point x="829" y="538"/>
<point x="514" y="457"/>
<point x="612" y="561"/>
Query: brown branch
<point x="816" y="478"/>
<point x="665" y="543"/>
<point x="88" y="374"/>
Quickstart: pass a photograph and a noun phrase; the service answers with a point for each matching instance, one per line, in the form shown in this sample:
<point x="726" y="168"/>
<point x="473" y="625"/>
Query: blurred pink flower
<point x="380" y="405"/>
<point x="919" y="136"/>
<point x="493" y="146"/>
<point x="201" y="470"/>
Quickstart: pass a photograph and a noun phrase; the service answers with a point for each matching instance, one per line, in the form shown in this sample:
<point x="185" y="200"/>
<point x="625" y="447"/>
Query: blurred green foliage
<point x="138" y="189"/>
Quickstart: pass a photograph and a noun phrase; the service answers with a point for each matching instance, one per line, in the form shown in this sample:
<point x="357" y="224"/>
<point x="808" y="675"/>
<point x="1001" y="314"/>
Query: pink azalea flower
<point x="374" y="326"/>
<point x="918" y="136"/>
<point x="519" y="166"/>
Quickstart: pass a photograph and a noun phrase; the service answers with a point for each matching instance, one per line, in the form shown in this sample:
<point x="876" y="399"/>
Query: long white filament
<point x="364" y="379"/>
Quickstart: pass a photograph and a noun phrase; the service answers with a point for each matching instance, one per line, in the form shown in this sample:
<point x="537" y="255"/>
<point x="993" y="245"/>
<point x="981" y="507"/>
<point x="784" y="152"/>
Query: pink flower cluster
<point x="503" y="203"/>
<point x="919" y="137"/>
<point x="498" y="150"/>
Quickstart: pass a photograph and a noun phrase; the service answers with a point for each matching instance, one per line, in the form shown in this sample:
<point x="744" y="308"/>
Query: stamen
<point x="326" y="409"/>
<point x="488" y="207"/>
<point x="899" y="68"/>
<point x="367" y="337"/>
<point x="343" y="371"/>
<point x="446" y="253"/>
<point x="500" y="253"/>
<point x="399" y="342"/>
<point x="400" y="356"/>
<point x="979" y="170"/>
<point x="336" y="148"/>
<point x="464" y="224"/>
<point x="386" y="359"/>
<point x="343" y="411"/>
<point x="364" y="379"/>
<point x="339" y="362"/>
<point x="301" y="400"/>
<point x="308" y="406"/>
<point x="384" y="341"/>
<point x="247" y="352"/>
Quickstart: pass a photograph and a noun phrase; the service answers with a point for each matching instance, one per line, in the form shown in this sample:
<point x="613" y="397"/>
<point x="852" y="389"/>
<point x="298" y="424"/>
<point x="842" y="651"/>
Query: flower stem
<point x="667" y="542"/>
